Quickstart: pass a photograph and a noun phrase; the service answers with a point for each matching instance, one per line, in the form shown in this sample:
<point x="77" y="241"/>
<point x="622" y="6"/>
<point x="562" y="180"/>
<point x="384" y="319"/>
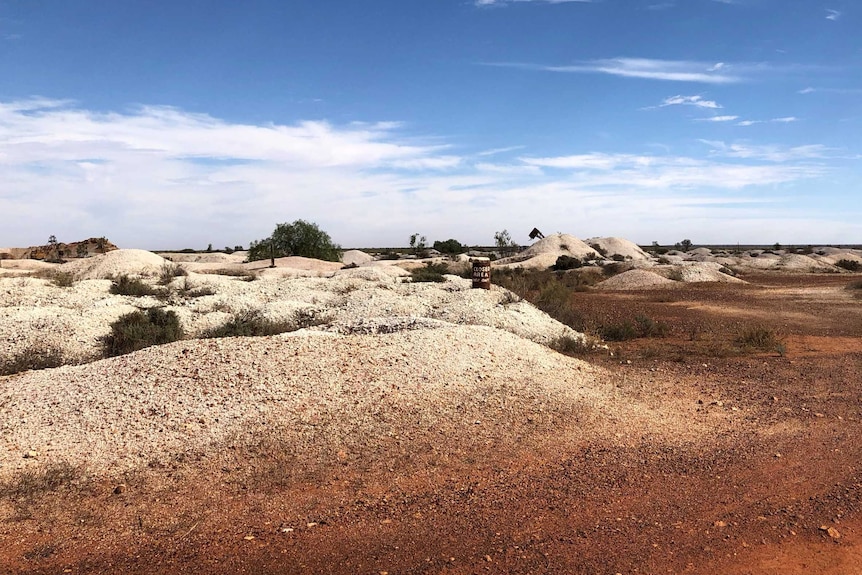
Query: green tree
<point x="450" y="246"/>
<point x="301" y="238"/>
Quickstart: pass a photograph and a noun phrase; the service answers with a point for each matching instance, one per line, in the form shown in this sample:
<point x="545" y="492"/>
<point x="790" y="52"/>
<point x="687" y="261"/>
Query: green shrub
<point x="169" y="271"/>
<point x="431" y="272"/>
<point x="128" y="285"/>
<point x="252" y="323"/>
<point x="850" y="265"/>
<point x="138" y="330"/>
<point x="33" y="357"/>
<point x="617" y="331"/>
<point x="758" y="338"/>
<point x="567" y="263"/>
<point x="63" y="279"/>
<point x="572" y="345"/>
<point x="648" y="327"/>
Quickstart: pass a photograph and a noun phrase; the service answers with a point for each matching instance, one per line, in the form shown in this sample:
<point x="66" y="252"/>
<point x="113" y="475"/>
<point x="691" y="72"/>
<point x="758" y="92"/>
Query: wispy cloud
<point x="718" y="119"/>
<point x="771" y="153"/>
<point x="495" y="151"/>
<point x="697" y="101"/>
<point x="832" y="14"/>
<point x="644" y="68"/>
<point x="784" y="120"/>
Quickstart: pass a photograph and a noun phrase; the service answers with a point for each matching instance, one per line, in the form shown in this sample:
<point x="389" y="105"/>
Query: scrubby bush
<point x="572" y="345"/>
<point x="252" y="323"/>
<point x="850" y="265"/>
<point x="430" y="272"/>
<point x="169" y="271"/>
<point x="36" y="356"/>
<point x="139" y="329"/>
<point x="617" y="331"/>
<point x="758" y="338"/>
<point x="63" y="279"/>
<point x="124" y="284"/>
<point x="567" y="263"/>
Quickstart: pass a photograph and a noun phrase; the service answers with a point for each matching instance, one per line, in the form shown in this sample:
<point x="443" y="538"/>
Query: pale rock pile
<point x="544" y="253"/>
<point x="636" y="279"/>
<point x="319" y="394"/>
<point x="76" y="319"/>
<point x="113" y="263"/>
<point x="612" y="246"/>
<point x="356" y="257"/>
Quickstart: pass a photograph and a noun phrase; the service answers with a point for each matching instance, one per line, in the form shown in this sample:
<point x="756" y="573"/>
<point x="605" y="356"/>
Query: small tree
<point x="301" y="238"/>
<point x="209" y="248"/>
<point x="504" y="242"/>
<point x="684" y="245"/>
<point x="418" y="244"/>
<point x="81" y="250"/>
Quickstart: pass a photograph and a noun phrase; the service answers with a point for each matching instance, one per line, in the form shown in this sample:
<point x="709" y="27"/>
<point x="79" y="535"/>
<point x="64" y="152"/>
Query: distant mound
<point x="635" y="279"/>
<point x="357" y="257"/>
<point x="131" y="261"/>
<point x="610" y="247"/>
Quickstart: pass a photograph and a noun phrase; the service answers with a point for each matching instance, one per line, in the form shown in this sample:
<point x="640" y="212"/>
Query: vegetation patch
<point x="252" y="323"/>
<point x="139" y="329"/>
<point x="576" y="346"/>
<point x="169" y="271"/>
<point x="33" y="357"/>
<point x="431" y="272"/>
<point x="850" y="265"/>
<point x="125" y="284"/>
<point x="759" y="338"/>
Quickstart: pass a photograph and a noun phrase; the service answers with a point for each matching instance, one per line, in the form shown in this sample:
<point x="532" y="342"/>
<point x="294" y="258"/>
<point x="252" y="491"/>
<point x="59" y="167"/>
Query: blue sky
<point x="178" y="124"/>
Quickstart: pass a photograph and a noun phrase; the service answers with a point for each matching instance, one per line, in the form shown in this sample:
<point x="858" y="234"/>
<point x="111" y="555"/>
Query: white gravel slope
<point x="122" y="413"/>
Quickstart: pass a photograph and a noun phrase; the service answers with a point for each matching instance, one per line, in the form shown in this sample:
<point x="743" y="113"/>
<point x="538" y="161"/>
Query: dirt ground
<point x="755" y="503"/>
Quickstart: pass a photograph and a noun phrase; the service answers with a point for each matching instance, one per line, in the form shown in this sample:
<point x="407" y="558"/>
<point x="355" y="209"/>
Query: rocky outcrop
<point x="60" y="251"/>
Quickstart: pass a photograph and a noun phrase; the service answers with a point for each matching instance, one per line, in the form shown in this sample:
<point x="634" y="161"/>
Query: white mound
<point x="545" y="252"/>
<point x="75" y="319"/>
<point x="129" y="261"/>
<point x="357" y="257"/>
<point x="635" y="279"/>
<point x="620" y="247"/>
<point x="296" y="263"/>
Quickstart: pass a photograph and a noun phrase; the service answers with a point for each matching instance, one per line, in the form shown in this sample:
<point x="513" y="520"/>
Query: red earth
<point x="755" y="503"/>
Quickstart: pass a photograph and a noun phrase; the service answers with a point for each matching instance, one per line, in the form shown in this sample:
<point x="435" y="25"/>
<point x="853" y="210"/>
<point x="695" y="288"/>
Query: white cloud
<point x="832" y="14"/>
<point x="159" y="178"/>
<point x="495" y="151"/>
<point x="718" y="119"/>
<point x="644" y="68"/>
<point x="785" y="120"/>
<point x="697" y="101"/>
<point x="807" y="90"/>
<point x="749" y="122"/>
